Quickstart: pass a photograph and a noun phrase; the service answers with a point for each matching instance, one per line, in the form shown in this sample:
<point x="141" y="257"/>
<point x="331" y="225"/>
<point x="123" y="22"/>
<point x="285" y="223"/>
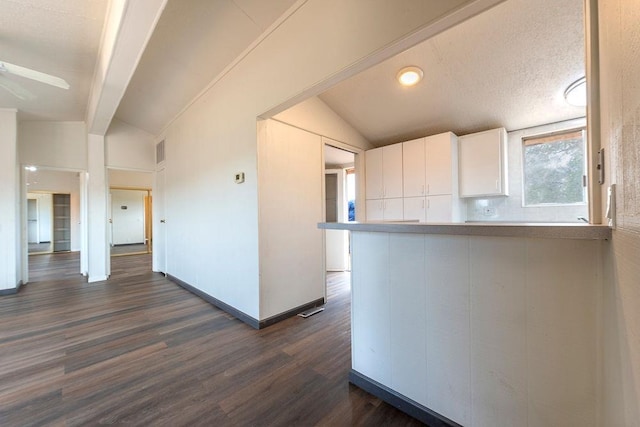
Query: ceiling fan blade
<point x="16" y="90"/>
<point x="28" y="73"/>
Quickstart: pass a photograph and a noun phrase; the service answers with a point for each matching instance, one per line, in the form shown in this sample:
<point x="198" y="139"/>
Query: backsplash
<point x="511" y="208"/>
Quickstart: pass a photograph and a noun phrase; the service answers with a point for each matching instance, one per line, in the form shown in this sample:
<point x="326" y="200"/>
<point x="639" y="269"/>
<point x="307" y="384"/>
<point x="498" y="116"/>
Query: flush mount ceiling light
<point x="576" y="93"/>
<point x="31" y="168"/>
<point x="409" y="76"/>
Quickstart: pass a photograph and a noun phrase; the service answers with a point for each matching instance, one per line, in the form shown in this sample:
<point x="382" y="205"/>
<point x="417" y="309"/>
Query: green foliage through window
<point x="554" y="167"/>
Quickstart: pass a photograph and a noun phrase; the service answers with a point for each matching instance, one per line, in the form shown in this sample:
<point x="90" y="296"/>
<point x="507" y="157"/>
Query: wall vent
<point x="160" y="152"/>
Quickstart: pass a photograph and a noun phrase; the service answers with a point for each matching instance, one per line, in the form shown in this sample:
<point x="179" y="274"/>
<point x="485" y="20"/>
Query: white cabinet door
<point x="375" y="209"/>
<point x="415" y="209"/>
<point x="373" y="174"/>
<point x="413" y="168"/>
<point x="392" y="171"/>
<point x="483" y="163"/>
<point x="439" y="208"/>
<point x="438" y="163"/>
<point x="385" y="209"/>
<point x="393" y="209"/>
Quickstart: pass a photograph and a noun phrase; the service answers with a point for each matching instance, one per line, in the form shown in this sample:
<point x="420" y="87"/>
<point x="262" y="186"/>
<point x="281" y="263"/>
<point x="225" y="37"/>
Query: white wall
<point x="127" y="224"/>
<point x="620" y="112"/>
<point x="129" y="147"/>
<point x="10" y="228"/>
<point x="63" y="182"/>
<point x="98" y="262"/>
<point x="510" y="208"/>
<point x="487" y="331"/>
<point x="315" y="116"/>
<point x="290" y="172"/>
<point x="45" y="215"/>
<point x="53" y="144"/>
<point x="130" y="179"/>
<point x="211" y="222"/>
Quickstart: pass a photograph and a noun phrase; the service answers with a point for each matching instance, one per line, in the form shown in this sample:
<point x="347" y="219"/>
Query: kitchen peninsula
<point x="479" y="324"/>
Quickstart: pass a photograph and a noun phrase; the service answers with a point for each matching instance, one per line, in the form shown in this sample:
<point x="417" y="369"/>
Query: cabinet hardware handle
<point x="423" y="190"/>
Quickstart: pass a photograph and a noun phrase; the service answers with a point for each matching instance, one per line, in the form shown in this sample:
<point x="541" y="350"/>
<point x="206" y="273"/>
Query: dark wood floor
<point x="136" y="249"/>
<point x="139" y="350"/>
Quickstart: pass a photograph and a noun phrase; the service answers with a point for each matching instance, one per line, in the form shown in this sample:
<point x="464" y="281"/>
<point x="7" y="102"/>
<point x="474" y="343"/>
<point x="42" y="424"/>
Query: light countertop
<point x="495" y="229"/>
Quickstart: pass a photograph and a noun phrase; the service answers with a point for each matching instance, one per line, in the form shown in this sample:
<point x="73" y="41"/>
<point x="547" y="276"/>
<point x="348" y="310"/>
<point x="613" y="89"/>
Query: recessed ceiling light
<point x="576" y="93"/>
<point x="409" y="76"/>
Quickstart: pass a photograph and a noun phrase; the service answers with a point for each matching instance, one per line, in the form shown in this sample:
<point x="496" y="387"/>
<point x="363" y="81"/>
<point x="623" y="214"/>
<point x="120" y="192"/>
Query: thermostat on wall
<point x="239" y="177"/>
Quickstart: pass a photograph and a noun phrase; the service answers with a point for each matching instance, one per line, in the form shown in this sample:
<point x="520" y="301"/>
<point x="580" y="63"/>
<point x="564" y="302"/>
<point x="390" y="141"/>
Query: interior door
<point x="159" y="237"/>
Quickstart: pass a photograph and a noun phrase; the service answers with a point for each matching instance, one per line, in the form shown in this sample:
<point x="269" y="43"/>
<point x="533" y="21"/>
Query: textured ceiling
<point x="57" y="37"/>
<point x="506" y="67"/>
<point x="193" y="42"/>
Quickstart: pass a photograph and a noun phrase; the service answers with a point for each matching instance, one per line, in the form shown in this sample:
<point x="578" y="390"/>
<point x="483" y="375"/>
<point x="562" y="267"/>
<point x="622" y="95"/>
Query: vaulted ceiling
<point x="507" y="67"/>
<point x="193" y="43"/>
<point x="58" y="37"/>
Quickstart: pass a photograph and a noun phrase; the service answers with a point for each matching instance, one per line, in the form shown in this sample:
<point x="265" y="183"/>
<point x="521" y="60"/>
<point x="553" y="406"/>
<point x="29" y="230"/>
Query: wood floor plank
<point x="139" y="350"/>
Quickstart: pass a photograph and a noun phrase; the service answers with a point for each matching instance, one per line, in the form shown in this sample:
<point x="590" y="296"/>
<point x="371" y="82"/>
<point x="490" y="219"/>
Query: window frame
<point x="585" y="179"/>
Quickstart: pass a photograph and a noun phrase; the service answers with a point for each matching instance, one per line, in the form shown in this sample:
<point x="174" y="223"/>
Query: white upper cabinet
<point x="384" y="172"/>
<point x="427" y="165"/>
<point x="417" y="180"/>
<point x="392" y="171"/>
<point x="483" y="166"/>
<point x="373" y="174"/>
<point x="414" y="168"/>
<point x="438" y="160"/>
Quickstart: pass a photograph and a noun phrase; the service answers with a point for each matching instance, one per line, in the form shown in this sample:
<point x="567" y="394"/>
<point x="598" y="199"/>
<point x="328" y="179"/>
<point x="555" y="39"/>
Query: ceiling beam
<point x="128" y="28"/>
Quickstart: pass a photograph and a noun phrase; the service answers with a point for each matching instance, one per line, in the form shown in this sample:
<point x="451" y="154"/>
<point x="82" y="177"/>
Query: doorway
<point x="339" y="205"/>
<point x="52" y="218"/>
<point x="130" y="221"/>
<point x="129" y="203"/>
<point x="39" y="223"/>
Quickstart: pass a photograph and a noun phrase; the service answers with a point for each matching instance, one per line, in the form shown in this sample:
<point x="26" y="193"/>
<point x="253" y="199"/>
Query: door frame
<point x="159" y="258"/>
<point x="24" y="241"/>
<point x="359" y="169"/>
<point x="148" y="218"/>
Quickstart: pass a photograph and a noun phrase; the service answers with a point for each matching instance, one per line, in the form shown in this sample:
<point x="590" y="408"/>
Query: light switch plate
<point x="239" y="177"/>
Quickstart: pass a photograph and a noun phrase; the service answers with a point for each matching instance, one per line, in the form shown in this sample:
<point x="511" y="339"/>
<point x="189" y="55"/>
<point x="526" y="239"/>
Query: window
<point x="554" y="168"/>
<point x="351" y="193"/>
